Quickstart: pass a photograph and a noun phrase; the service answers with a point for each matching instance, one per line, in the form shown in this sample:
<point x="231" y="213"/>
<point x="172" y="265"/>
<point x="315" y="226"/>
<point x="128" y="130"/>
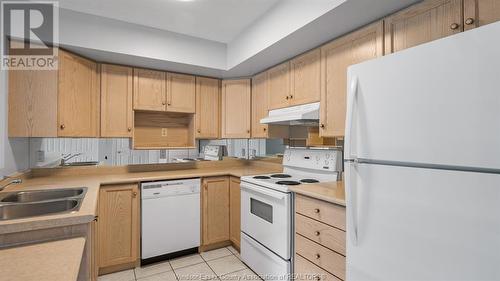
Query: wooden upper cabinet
<point x="421" y="23"/>
<point x="116" y="101"/>
<point x="235" y="211"/>
<point x="118" y="225"/>
<point x="279" y="86"/>
<point x="260" y="104"/>
<point x="236" y="103"/>
<point x="32" y="103"/>
<point x="305" y="78"/>
<point x="181" y="93"/>
<point x="215" y="210"/>
<point x="78" y="97"/>
<point x="149" y="90"/>
<point x="480" y="12"/>
<point x="207" y="108"/>
<point x="336" y="57"/>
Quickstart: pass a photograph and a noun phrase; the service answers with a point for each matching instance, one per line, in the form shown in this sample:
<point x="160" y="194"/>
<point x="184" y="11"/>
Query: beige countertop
<point x="49" y="261"/>
<point x="87" y="212"/>
<point x="332" y="192"/>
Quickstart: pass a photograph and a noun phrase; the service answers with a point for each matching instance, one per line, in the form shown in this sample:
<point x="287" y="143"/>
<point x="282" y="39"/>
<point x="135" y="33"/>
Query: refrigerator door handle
<point x="353" y="91"/>
<point x="351" y="193"/>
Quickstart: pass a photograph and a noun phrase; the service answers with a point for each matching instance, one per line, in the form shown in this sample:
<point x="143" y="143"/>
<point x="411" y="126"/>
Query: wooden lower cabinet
<point x="118" y="227"/>
<point x="319" y="240"/>
<point x="215" y="211"/>
<point x="235" y="211"/>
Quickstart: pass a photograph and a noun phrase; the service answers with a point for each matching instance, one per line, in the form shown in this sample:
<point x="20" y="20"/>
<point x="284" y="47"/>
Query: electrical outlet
<point x="40" y="156"/>
<point x="163" y="154"/>
<point x="164" y="132"/>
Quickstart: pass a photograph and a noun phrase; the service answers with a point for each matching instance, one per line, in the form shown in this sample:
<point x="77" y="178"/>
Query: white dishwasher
<point x="170" y="219"/>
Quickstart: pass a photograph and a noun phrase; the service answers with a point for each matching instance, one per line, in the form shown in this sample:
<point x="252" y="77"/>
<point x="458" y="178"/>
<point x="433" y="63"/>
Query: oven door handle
<point x="277" y="195"/>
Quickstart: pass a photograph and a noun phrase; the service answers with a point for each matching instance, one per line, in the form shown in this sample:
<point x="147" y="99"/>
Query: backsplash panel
<point x="118" y="152"/>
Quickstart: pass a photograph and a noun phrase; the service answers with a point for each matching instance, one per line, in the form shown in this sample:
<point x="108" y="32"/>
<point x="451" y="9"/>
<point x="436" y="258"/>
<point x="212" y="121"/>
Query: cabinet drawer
<point x="330" y="237"/>
<point x="305" y="269"/>
<point x="325" y="258"/>
<point x="325" y="212"/>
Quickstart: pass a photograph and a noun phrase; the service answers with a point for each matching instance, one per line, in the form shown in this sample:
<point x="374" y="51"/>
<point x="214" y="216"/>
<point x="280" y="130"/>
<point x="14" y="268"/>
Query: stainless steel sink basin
<point x="17" y="211"/>
<point x="42" y="195"/>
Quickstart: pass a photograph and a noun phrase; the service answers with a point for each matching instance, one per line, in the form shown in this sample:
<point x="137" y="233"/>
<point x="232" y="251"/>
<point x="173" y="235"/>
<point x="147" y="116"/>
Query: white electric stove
<point x="267" y="209"/>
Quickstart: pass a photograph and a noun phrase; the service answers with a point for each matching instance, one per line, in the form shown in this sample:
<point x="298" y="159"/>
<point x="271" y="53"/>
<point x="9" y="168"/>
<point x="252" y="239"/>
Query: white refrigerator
<point x="422" y="152"/>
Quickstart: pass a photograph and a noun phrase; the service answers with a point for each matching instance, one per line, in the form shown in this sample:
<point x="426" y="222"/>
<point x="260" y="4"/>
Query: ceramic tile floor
<point x="222" y="264"/>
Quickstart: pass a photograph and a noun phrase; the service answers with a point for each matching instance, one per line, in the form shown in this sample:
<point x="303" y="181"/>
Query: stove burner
<point x="261" y="177"/>
<point x="309" y="181"/>
<point x="280" y="176"/>
<point x="288" y="182"/>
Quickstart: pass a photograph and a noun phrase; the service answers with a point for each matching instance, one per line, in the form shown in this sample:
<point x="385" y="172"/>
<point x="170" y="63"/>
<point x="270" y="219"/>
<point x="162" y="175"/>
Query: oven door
<point x="266" y="216"/>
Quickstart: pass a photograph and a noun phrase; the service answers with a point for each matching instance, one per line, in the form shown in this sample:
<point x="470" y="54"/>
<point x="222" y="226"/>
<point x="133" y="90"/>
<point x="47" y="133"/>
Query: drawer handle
<point x="318" y="256"/>
<point x="317" y="233"/>
<point x="316" y="211"/>
<point x="317" y="278"/>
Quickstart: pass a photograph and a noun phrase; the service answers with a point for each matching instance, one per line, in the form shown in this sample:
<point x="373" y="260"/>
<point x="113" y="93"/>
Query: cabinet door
<point x="336" y="57"/>
<point x="118" y="225"/>
<point x="235" y="211"/>
<point x="236" y="102"/>
<point x="32" y="103"/>
<point x="421" y="23"/>
<point x="279" y="86"/>
<point x="207" y="108"/>
<point x="149" y="90"/>
<point x="78" y="97"/>
<point x="260" y="105"/>
<point x="181" y="93"/>
<point x="215" y="210"/>
<point x="306" y="75"/>
<point x="116" y="101"/>
<point x="480" y="12"/>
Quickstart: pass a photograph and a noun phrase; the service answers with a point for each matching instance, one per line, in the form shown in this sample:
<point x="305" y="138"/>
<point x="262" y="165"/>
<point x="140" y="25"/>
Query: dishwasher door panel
<point x="170" y="224"/>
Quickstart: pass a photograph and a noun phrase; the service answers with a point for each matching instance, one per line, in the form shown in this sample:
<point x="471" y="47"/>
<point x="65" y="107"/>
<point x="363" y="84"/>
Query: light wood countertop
<point x="332" y="192"/>
<point x="49" y="261"/>
<point x="67" y="178"/>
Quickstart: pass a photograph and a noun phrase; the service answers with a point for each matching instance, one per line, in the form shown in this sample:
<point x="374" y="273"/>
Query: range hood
<point x="300" y="115"/>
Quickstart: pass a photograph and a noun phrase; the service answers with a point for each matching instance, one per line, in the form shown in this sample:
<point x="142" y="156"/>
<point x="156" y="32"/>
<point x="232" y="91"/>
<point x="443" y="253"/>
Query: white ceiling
<point x="217" y="20"/>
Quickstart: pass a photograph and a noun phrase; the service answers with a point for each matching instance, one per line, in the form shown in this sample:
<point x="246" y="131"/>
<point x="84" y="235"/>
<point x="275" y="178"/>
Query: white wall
<point x="14" y="153"/>
<point x="108" y="35"/>
<point x="279" y="22"/>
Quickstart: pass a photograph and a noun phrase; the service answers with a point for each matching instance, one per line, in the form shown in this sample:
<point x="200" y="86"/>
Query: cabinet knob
<point x="287" y="97"/>
<point x="316" y="211"/>
<point x="454" y="26"/>
<point x="318" y="256"/>
<point x="322" y="126"/>
<point x="163" y="103"/>
<point x="134" y="194"/>
<point x="469" y="21"/>
<point x="248" y="131"/>
<point x="169" y="103"/>
<point x="317" y="278"/>
<point x="291" y="96"/>
<point x="62" y="127"/>
<point x="317" y="233"/>
<point x="129" y="129"/>
<point x="96" y="218"/>
<point x="265" y="129"/>
<point x="199" y="131"/>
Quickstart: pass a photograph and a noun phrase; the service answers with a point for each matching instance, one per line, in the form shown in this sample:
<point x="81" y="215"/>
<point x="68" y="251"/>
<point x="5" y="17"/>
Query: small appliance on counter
<point x="210" y="153"/>
<point x="267" y="208"/>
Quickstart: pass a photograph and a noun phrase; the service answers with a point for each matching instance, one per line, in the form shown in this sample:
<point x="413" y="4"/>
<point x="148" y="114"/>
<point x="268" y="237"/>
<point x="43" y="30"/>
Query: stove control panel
<point x="315" y="159"/>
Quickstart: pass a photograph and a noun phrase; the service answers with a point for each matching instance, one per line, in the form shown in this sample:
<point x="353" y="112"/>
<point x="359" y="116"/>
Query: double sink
<point x="32" y="203"/>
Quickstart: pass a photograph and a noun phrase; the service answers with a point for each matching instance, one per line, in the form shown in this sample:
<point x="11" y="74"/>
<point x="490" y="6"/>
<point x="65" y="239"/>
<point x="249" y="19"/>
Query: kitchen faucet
<point x="69" y="156"/>
<point x="14" y="181"/>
